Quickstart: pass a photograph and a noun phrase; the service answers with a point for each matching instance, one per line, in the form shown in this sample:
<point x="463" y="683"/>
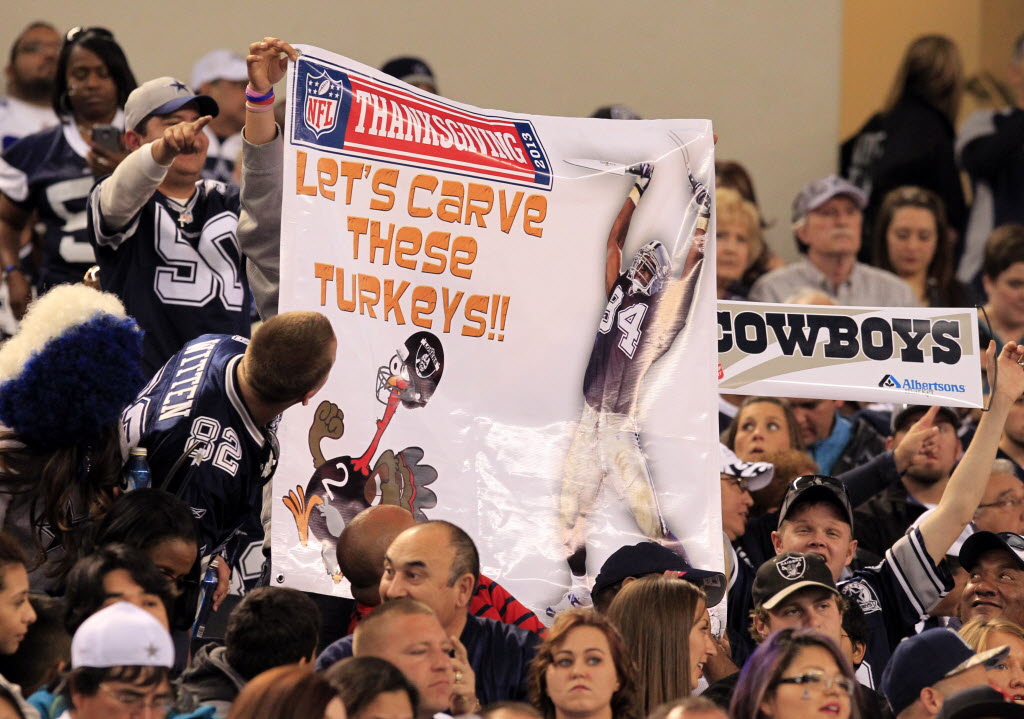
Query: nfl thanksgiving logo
<point x="344" y="112"/>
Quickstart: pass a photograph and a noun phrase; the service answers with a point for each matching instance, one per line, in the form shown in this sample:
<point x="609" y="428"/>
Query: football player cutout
<point x="647" y="308"/>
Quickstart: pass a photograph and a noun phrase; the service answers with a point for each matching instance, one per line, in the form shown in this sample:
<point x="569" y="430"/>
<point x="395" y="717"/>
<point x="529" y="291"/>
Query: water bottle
<point x="137" y="474"/>
<point x="206" y="590"/>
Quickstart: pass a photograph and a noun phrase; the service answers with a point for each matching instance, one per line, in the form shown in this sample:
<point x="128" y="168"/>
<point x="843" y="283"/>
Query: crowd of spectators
<point x="874" y="554"/>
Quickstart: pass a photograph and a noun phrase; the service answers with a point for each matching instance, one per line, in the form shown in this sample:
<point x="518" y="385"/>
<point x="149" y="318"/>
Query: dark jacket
<point x="210" y="681"/>
<point x="864" y="446"/>
<point x="884" y="518"/>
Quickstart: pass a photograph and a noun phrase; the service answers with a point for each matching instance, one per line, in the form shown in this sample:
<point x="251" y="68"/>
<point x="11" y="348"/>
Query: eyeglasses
<point x="75" y="32"/>
<point x="740" y="482"/>
<point x="134" y="702"/>
<point x="822" y="682"/>
<point x="1005" y="503"/>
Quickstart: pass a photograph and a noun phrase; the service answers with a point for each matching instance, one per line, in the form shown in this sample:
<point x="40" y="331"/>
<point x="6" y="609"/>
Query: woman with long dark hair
<point x="795" y="673"/>
<point x="52" y="172"/>
<point x="913" y="241"/>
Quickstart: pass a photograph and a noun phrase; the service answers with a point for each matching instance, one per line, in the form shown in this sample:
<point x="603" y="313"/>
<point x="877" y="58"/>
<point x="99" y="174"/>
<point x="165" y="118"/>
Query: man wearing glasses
<point x="121" y="658"/>
<point x="827" y="216"/>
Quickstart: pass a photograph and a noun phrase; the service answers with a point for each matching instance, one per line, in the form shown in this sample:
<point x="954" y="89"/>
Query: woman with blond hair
<point x="738" y="242"/>
<point x="983" y="634"/>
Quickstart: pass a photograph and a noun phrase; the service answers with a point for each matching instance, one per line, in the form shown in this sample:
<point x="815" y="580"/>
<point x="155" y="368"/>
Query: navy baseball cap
<point x="926" y="658"/>
<point x="162" y="96"/>
<point x="645" y="558"/>
<point x="981" y="542"/>
<point x="983" y="701"/>
<point x="411" y="70"/>
<point x="817" y="488"/>
<point x="785" y="574"/>
<point x="903" y="413"/>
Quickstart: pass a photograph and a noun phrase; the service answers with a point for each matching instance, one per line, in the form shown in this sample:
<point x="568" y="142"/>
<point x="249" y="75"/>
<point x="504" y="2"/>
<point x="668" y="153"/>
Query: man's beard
<point x="37" y="91"/>
<point x="927" y="477"/>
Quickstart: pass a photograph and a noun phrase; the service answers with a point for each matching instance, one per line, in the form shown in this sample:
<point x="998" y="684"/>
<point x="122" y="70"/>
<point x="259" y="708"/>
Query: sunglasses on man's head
<point x="76" y="32"/>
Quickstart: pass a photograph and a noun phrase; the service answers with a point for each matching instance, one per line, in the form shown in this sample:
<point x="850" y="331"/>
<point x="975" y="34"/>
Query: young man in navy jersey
<point x="165" y="239"/>
<point x="207" y="421"/>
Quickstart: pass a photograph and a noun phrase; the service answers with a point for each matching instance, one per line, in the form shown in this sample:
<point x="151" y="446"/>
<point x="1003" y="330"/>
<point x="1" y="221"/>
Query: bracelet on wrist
<point x="11" y="268"/>
<point x="258" y="108"/>
<point x="258" y="97"/>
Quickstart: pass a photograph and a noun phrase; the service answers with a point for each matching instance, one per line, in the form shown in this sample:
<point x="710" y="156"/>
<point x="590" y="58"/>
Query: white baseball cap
<point x="219" y="65"/>
<point x="122" y="635"/>
<point x="162" y="96"/>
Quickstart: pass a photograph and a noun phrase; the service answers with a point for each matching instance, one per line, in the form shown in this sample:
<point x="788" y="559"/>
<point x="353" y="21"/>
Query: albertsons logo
<point x="914" y="385"/>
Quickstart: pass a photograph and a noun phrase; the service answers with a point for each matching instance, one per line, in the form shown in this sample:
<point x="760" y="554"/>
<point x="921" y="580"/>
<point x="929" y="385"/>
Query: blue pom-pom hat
<point x="71" y="369"/>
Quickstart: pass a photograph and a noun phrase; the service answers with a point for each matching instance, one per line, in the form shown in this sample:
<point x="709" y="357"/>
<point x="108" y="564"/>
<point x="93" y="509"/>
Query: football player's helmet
<point x="413" y="372"/>
<point x="650" y="268"/>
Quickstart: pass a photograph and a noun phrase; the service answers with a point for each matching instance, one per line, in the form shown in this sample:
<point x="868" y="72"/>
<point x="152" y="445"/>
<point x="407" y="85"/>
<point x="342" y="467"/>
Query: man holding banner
<point x="646" y="310"/>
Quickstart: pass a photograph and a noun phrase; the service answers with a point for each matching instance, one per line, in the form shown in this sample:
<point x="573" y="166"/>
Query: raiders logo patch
<point x="862" y="593"/>
<point x="792" y="568"/>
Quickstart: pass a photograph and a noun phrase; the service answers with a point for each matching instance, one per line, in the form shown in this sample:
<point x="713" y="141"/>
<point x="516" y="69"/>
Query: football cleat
<point x="575" y="598"/>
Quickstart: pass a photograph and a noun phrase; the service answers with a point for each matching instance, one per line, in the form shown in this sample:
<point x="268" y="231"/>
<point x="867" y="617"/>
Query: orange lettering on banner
<point x="391" y="298"/>
<point x="384" y="181"/>
<point x="424" y="182"/>
<point x="380" y="242"/>
<point x="476" y="312"/>
<point x="352" y="171"/>
<point x="327" y="176"/>
<point x="424" y="300"/>
<point x="436" y="241"/>
<point x="463" y="253"/>
<point x="450" y="307"/>
<point x="535" y="213"/>
<point x="300" y="176"/>
<point x="369" y="294"/>
<point x="449" y="209"/>
<point x="326" y="274"/>
<point x="479" y="203"/>
<point x="508" y="214"/>
<point x="357" y="226"/>
<point x="409" y="237"/>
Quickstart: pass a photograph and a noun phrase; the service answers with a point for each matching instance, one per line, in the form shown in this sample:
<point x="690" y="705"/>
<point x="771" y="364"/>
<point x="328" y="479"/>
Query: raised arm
<point x="620" y="228"/>
<point x="965" y="488"/>
<point x="259" y="222"/>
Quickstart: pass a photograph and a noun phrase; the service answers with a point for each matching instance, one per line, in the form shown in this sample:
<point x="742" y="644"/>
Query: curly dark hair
<point x="624" y="701"/>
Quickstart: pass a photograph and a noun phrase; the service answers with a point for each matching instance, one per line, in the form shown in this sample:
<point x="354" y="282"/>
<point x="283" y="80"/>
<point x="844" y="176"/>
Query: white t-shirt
<point x="18" y="118"/>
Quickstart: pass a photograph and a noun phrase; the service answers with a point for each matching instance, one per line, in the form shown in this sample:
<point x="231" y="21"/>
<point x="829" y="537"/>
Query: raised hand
<point x="267" y="62"/>
<point x="1006" y="373"/>
<point x="463" y="699"/>
<point x="917" y="442"/>
<point x="185" y="138"/>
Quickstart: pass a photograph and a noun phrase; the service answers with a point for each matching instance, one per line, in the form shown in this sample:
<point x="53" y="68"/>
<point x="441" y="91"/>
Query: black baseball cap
<point x="983" y="701"/>
<point x="817" y="488"/>
<point x="784" y="574"/>
<point x="929" y="657"/>
<point x="980" y="542"/>
<point x="902" y="413"/>
<point x="645" y="558"/>
<point x="412" y="70"/>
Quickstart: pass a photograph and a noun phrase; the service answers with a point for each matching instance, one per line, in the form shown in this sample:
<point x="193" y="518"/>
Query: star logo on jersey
<point x="197" y="512"/>
<point x="323" y="96"/>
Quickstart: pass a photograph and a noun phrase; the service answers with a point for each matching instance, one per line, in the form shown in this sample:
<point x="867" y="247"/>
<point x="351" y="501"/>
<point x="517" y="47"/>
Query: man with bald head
<point x="437" y="564"/>
<point x="361" y="549"/>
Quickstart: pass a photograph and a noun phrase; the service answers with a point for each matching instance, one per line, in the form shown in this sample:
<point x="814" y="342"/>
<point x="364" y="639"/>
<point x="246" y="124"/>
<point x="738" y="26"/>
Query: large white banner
<point x="480" y="267"/>
<point x="925" y="355"/>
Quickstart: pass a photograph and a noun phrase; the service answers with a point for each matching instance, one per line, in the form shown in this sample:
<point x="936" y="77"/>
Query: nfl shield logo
<point x="323" y="96"/>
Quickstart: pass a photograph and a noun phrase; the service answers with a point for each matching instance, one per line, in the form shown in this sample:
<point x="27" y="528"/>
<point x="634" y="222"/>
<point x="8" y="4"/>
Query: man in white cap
<point x="121" y="658"/>
<point x="827" y="216"/>
<point x="221" y="74"/>
<point x="165" y="239"/>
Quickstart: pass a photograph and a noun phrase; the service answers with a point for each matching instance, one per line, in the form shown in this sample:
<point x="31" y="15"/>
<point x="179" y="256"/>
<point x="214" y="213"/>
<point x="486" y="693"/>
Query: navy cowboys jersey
<point x="628" y="342"/>
<point x="177" y="268"/>
<point x="46" y="171"/>
<point x="194" y="405"/>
